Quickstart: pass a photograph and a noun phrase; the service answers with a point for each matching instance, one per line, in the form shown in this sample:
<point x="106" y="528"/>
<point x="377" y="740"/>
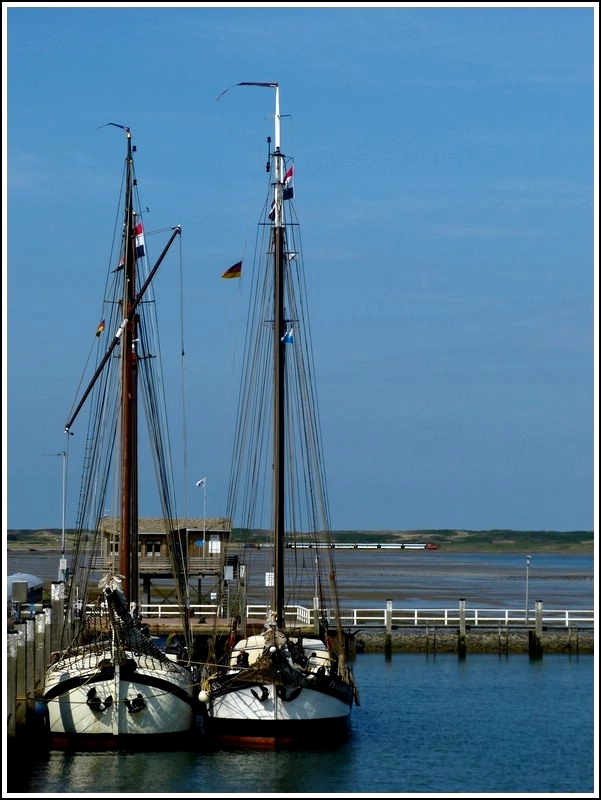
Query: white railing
<point x="404" y="617"/>
<point x="473" y="616"/>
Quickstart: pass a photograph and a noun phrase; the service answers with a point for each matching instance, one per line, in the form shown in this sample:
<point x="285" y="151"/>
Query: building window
<point x="153" y="548"/>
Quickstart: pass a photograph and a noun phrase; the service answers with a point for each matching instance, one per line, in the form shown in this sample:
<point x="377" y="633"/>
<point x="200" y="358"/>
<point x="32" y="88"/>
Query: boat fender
<point x="41" y="718"/>
<point x="203" y="696"/>
<point x="264" y="693"/>
<point x="281" y="693"/>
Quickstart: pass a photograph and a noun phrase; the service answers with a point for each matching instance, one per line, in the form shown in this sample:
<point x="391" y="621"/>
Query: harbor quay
<point x="432" y="640"/>
<point x="426" y="638"/>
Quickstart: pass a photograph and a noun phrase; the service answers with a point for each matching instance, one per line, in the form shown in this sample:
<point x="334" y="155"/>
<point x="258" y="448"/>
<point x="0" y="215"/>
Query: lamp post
<point x="203" y="484"/>
<point x="527" y="576"/>
<point x="63" y="572"/>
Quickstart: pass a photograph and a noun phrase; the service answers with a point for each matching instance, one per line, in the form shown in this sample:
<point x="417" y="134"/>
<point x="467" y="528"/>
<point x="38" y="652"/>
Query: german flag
<point x="233" y="272"/>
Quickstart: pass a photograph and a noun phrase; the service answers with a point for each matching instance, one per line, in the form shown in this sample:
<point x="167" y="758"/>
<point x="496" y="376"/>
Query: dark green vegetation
<point x="496" y="539"/>
<point x="448" y="540"/>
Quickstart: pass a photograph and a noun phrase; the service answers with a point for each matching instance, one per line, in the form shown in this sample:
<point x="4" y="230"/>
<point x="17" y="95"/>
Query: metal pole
<point x="203" y="483"/>
<point x="62" y="565"/>
<point x="527" y="576"/>
<point x="63" y="572"/>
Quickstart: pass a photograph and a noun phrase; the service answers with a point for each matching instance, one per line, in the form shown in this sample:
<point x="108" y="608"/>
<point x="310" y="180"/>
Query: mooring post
<point x="47" y="635"/>
<point x="40" y="652"/>
<point x="535" y="637"/>
<point x="242" y="600"/>
<point x="316" y="614"/>
<point x="30" y="671"/>
<point x="388" y="639"/>
<point x="461" y="644"/>
<point x="57" y="604"/>
<point x="21" y="682"/>
<point x="11" y="683"/>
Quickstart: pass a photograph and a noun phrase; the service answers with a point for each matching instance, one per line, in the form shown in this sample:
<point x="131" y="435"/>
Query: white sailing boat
<point x="110" y="684"/>
<point x="287" y="681"/>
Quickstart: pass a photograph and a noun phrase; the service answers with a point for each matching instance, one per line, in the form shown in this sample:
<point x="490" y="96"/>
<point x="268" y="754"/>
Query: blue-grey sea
<point x="427" y="723"/>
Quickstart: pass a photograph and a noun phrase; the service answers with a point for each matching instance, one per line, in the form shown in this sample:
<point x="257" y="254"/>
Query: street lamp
<point x="527" y="575"/>
<point x="202" y="483"/>
<point x="63" y="572"/>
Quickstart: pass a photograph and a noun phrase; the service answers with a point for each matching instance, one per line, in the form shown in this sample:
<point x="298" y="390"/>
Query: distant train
<point x="362" y="546"/>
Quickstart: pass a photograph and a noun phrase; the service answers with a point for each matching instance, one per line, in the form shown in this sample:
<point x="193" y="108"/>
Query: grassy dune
<point x="497" y="540"/>
<point x="451" y="540"/>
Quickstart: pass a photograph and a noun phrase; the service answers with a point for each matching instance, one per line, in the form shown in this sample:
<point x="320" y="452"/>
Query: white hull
<point x="312" y="718"/>
<point x="312" y="703"/>
<point x="86" y="697"/>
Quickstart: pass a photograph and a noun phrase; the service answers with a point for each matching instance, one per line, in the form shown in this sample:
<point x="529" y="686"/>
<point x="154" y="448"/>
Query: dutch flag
<point x="139" y="232"/>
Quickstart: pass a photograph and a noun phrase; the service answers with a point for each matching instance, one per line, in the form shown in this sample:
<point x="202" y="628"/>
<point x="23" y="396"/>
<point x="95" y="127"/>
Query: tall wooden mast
<point x="128" y="540"/>
<point x="279" y="374"/>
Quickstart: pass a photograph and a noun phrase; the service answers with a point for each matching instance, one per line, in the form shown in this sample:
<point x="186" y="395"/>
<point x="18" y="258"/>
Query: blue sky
<point x="444" y="181"/>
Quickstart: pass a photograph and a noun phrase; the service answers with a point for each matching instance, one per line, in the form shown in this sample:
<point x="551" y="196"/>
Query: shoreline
<point x="447" y="547"/>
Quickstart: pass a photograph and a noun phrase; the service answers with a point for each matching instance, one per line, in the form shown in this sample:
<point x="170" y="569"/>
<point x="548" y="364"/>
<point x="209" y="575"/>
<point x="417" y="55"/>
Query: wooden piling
<point x="503" y="646"/>
<point x="30" y="672"/>
<point x="21" y="679"/>
<point x="535" y="637"/>
<point x="57" y="605"/>
<point x="11" y="683"/>
<point x="462" y="643"/>
<point x="40" y="659"/>
<point x="388" y="639"/>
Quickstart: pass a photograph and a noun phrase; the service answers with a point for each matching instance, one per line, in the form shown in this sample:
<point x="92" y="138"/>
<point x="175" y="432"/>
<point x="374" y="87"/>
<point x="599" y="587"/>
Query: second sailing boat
<point x="289" y="681"/>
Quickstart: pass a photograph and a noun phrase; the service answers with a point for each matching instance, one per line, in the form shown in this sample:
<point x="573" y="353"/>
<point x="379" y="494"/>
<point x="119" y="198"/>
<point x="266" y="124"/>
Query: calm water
<point x="426" y="724"/>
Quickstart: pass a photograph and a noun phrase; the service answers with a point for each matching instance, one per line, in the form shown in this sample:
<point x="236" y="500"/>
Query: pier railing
<point x="400" y="617"/>
<point x="372" y="617"/>
<point x="483" y="617"/>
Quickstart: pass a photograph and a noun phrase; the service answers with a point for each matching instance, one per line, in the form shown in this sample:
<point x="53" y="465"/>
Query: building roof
<point x="32" y="581"/>
<point x="157" y="524"/>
